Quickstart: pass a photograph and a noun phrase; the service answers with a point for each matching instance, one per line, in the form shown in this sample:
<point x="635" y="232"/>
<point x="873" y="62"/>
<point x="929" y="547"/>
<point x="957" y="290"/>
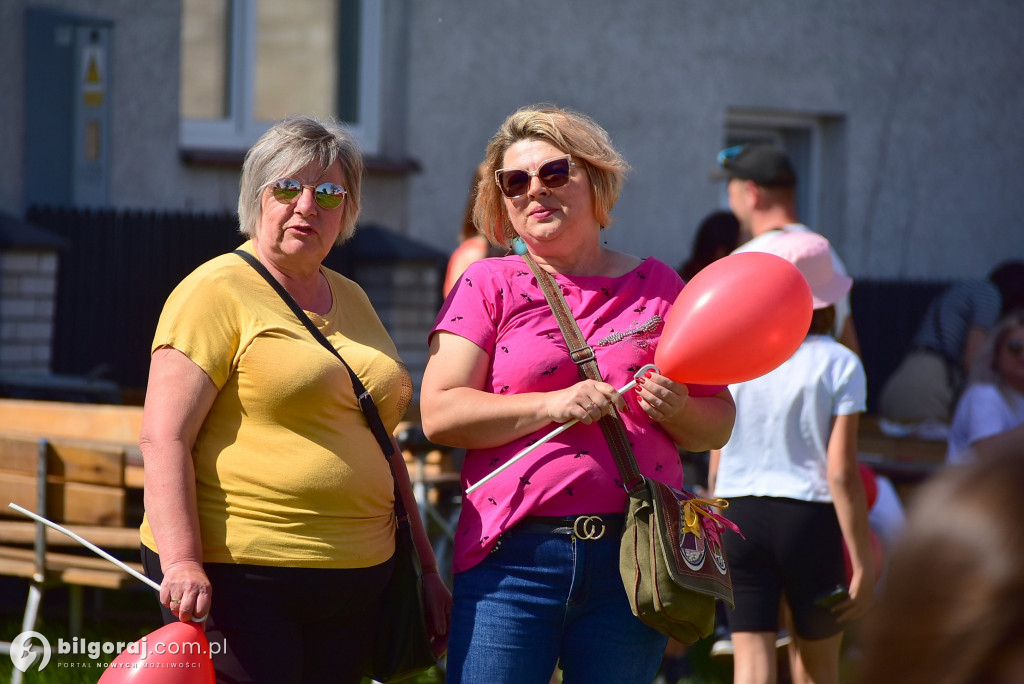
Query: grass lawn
<point x="122" y="616"/>
<point x="128" y="615"/>
<point x="110" y="616"/>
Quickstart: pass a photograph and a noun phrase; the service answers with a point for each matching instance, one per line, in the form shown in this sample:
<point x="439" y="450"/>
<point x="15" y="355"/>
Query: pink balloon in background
<point x="737" y="319"/>
<point x="867" y="475"/>
<point x="877" y="556"/>
<point x="178" y="653"/>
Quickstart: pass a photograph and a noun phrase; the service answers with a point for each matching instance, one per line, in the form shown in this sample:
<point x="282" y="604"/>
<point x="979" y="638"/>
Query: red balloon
<point x="178" y="653"/>
<point x="877" y="556"/>
<point x="737" y="319"/>
<point x="870" y="484"/>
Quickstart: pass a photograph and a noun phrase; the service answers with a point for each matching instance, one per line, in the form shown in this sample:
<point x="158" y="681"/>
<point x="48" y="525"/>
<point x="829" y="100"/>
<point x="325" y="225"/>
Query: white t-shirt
<point x="759" y="244"/>
<point x="783" y="423"/>
<point x="983" y="411"/>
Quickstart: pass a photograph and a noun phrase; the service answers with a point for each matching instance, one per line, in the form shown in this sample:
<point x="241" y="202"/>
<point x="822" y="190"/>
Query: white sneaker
<point x="722" y="647"/>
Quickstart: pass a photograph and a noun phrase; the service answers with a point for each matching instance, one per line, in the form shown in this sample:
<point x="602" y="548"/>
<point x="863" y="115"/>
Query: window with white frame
<point x="246" y="64"/>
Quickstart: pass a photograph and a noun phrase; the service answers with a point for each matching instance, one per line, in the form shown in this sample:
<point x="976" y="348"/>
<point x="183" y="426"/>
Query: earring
<point x="604" y="236"/>
<point x="518" y="246"/>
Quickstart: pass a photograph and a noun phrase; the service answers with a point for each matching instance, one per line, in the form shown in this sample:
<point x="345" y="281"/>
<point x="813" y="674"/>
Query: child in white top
<point x="989" y="417"/>
<point x="791" y="477"/>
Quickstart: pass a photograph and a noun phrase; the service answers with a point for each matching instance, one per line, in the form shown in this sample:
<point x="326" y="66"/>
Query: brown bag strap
<point x="586" y="363"/>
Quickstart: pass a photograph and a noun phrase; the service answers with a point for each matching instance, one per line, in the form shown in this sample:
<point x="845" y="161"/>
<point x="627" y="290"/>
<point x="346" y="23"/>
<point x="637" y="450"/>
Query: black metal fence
<point x="887" y="313"/>
<point x="112" y="281"/>
<point x="119" y="267"/>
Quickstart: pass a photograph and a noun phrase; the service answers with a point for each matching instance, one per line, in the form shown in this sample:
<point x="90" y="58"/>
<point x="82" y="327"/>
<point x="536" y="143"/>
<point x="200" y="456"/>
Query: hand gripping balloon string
<point x="95" y="549"/>
<point x="554" y="433"/>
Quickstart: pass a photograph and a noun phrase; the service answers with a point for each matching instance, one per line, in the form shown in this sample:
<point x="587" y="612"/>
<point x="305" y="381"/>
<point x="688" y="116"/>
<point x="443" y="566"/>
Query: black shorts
<point x="792" y="547"/>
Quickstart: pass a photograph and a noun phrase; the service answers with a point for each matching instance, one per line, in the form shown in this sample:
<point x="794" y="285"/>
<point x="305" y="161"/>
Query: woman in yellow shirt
<point x="269" y="504"/>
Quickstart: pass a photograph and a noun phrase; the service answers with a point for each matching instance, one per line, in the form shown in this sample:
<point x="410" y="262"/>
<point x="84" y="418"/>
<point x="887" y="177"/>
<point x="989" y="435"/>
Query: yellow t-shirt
<point x="287" y="470"/>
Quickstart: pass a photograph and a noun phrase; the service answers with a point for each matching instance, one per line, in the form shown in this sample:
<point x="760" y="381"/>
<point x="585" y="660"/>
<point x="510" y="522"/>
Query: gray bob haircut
<point x="570" y="131"/>
<point x="288" y="147"/>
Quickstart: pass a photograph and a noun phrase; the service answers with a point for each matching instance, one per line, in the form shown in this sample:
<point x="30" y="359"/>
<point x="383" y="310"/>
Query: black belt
<point x="587" y="527"/>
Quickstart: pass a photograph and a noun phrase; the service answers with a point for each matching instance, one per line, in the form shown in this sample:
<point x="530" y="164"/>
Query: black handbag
<point x="401" y="645"/>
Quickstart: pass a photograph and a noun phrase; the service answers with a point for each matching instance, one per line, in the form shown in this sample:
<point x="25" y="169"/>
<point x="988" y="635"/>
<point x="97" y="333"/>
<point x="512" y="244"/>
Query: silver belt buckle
<point x="588" y="527"/>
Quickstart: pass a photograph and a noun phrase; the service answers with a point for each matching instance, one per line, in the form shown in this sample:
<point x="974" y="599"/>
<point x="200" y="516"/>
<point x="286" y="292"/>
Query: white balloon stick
<point x="89" y="545"/>
<point x="554" y="433"/>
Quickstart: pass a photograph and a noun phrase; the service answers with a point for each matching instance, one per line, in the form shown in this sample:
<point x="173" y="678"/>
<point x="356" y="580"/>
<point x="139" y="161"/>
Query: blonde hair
<point x="569" y="131"/>
<point x="468" y="229"/>
<point x="288" y="147"/>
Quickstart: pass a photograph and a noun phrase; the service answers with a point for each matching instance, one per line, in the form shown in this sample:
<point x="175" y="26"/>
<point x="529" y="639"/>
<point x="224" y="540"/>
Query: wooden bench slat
<point x="873" y="442"/>
<point x="106" y="422"/>
<point x="93" y="470"/>
<point x="15" y="532"/>
<point x="901" y="449"/>
<point x="73" y="460"/>
<point x="134" y="476"/>
<point x="97" y="578"/>
<point x="68" y="568"/>
<point x="71" y="502"/>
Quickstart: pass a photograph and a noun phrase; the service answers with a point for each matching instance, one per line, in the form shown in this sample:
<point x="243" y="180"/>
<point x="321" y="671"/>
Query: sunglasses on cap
<point x="327" y="195"/>
<point x="728" y="154"/>
<point x="552" y="173"/>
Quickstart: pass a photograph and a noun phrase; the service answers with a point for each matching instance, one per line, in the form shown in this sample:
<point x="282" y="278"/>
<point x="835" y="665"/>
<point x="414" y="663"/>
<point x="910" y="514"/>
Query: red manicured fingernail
<point x="638" y="387"/>
<point x="648" y="374"/>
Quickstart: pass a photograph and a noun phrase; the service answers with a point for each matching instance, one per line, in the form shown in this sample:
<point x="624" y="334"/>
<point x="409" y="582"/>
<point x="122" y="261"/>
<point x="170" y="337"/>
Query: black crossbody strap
<point x="366" y="404"/>
<point x="586" y="363"/>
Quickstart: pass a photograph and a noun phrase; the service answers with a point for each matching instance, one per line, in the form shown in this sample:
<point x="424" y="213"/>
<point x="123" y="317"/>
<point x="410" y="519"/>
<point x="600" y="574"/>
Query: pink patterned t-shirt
<point x="498" y="306"/>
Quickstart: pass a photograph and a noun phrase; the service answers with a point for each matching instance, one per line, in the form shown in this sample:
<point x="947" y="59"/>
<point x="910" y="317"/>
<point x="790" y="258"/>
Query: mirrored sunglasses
<point x="552" y="173"/>
<point x="327" y="195"/>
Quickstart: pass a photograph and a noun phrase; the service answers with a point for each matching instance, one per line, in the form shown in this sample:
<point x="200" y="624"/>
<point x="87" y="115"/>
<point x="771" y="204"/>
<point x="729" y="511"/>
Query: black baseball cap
<point x="764" y="164"/>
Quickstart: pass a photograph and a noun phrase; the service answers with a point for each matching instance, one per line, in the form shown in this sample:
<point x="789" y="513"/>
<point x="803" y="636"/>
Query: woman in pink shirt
<point x="536" y="551"/>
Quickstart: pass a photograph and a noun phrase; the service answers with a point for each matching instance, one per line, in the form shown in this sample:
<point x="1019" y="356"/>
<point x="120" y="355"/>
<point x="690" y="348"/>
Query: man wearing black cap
<point x="761" y="187"/>
<point x="761" y="190"/>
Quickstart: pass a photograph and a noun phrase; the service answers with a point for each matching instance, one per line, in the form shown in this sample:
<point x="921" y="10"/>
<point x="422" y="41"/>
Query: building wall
<point x="407" y="297"/>
<point x="147" y="170"/>
<point x="28" y="289"/>
<point x="921" y="96"/>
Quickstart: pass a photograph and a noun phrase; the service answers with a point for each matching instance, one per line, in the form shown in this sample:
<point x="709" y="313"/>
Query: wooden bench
<point x="88" y="423"/>
<point x="907" y="461"/>
<point x="78" y="465"/>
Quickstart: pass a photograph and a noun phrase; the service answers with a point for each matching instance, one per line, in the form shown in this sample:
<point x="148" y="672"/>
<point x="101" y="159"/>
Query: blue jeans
<point x="543" y="598"/>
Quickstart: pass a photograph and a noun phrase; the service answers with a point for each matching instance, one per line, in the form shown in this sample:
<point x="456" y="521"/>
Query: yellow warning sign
<point x="92" y="71"/>
<point x="92" y="76"/>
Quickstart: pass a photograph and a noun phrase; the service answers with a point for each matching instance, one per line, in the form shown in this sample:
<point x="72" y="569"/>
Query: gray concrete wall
<point x="923" y="96"/>
<point x="143" y="87"/>
<point x="927" y="93"/>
